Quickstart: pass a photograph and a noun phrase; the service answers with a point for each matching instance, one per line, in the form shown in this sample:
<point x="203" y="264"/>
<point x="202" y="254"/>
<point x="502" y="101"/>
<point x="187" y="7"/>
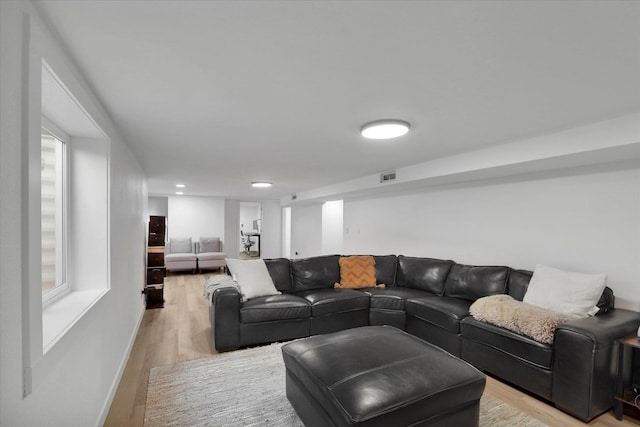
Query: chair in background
<point x="246" y="242"/>
<point x="209" y="253"/>
<point x="180" y="255"/>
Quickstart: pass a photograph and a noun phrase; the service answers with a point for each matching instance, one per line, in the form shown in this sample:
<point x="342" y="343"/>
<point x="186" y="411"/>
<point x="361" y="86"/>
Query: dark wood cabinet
<point x="157" y="225"/>
<point x="156" y="272"/>
<point x="627" y="390"/>
<point x="156" y="239"/>
<point x="155" y="276"/>
<point x="155" y="259"/>
<point x="155" y="296"/>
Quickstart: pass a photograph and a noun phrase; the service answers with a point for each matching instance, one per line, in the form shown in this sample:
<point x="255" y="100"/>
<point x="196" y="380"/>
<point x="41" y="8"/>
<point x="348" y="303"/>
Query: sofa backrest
<point x="280" y="272"/>
<point x="208" y="244"/>
<point x="386" y="266"/>
<point x="315" y="273"/>
<point x="518" y="283"/>
<point x="179" y="245"/>
<point x="428" y="274"/>
<point x="471" y="282"/>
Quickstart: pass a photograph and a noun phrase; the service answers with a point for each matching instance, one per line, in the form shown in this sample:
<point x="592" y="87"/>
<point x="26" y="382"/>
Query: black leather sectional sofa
<point x="430" y="298"/>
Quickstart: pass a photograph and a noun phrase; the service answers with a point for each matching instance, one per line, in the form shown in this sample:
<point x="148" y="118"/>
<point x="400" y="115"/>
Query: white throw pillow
<point x="571" y="294"/>
<point x="252" y="277"/>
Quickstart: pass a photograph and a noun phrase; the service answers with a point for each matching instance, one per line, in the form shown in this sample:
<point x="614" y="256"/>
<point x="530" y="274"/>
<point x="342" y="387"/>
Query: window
<point x="71" y="230"/>
<point x="53" y="214"/>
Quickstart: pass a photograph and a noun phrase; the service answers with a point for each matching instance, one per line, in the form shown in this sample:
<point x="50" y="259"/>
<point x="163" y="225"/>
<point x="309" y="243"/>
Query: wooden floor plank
<point x="181" y="331"/>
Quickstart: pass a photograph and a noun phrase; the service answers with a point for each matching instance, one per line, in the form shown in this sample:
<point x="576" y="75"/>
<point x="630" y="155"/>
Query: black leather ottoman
<point x="379" y="376"/>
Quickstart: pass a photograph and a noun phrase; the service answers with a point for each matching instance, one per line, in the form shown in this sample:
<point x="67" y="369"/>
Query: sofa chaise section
<point x="260" y="320"/>
<point x="437" y="319"/>
<point x="414" y="278"/>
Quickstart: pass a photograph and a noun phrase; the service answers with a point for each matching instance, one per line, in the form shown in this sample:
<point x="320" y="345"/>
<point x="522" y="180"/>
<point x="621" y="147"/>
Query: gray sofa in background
<point x="209" y="253"/>
<point x="179" y="254"/>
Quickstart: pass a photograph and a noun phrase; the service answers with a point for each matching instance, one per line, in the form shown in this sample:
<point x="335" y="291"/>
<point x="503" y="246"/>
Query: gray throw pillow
<point x="180" y="245"/>
<point x="209" y="244"/>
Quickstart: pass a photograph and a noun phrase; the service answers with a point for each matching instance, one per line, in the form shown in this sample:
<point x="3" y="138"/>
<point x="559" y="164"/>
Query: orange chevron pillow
<point x="357" y="272"/>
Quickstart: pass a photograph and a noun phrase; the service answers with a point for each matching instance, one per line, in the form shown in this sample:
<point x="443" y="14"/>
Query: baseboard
<point x="123" y="364"/>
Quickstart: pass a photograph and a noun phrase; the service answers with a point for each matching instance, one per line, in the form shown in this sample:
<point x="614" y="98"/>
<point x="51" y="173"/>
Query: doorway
<point x="250" y="229"/>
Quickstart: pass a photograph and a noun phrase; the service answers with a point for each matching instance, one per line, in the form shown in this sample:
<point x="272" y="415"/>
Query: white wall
<point x="231" y="227"/>
<point x="88" y="211"/>
<point x="195" y="217"/>
<point x="306" y="231"/>
<point x="159" y="206"/>
<point x="332" y="227"/>
<point x="286" y="232"/>
<point x="271" y="239"/>
<point x="74" y="382"/>
<point x="585" y="220"/>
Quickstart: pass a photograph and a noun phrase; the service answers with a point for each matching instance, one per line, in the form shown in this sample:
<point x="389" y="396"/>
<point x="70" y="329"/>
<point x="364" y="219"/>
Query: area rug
<point x="247" y="388"/>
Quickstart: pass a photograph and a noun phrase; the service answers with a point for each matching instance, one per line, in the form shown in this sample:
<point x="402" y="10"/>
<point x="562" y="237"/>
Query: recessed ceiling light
<point x="385" y="129"/>
<point x="180" y="185"/>
<point x="179" y="193"/>
<point x="261" y="184"/>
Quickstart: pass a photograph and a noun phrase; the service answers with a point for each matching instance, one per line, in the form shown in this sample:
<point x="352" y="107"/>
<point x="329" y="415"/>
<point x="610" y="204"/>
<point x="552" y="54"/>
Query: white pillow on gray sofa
<point x="252" y="277"/>
<point x="572" y="294"/>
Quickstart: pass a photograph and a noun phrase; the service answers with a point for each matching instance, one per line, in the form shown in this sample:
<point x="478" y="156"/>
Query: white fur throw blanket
<point x="525" y="319"/>
<point x="218" y="281"/>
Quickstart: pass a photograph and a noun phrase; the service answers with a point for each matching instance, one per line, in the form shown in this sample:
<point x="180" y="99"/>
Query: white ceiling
<point x="216" y="94"/>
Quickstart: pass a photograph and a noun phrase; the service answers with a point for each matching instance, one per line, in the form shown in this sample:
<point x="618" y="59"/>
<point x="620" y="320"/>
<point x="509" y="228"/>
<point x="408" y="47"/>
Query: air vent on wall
<point x="388" y="176"/>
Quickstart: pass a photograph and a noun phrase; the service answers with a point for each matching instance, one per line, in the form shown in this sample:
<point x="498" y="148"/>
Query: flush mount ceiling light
<point x="179" y="185"/>
<point x="179" y="193"/>
<point x="385" y="129"/>
<point x="260" y="184"/>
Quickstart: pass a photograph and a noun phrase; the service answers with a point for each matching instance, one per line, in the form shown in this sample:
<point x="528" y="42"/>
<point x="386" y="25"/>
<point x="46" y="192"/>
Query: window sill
<point x="60" y="316"/>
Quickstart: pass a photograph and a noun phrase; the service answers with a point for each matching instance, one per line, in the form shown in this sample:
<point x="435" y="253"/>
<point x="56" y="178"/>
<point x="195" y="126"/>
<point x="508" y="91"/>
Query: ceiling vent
<point x="388" y="176"/>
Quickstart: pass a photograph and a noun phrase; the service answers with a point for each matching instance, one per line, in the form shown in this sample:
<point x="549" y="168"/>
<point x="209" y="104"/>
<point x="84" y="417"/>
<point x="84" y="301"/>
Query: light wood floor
<point x="181" y="331"/>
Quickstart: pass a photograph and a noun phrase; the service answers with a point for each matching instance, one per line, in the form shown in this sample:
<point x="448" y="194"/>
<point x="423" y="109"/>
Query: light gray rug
<point x="247" y="388"/>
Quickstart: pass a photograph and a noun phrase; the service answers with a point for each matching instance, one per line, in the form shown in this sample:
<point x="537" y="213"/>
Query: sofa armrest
<point x="224" y="315"/>
<point x="585" y="358"/>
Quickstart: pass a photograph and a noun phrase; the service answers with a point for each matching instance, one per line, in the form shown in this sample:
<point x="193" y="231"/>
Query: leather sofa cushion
<point x="392" y="298"/>
<point x="274" y="308"/>
<point x="329" y="301"/>
<point x="386" y="269"/>
<point x="381" y="376"/>
<point x="315" y="273"/>
<point x="519" y="283"/>
<point x="280" y="273"/>
<point x="518" y="346"/>
<point x="472" y="282"/>
<point x="444" y="312"/>
<point x="427" y="274"/>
